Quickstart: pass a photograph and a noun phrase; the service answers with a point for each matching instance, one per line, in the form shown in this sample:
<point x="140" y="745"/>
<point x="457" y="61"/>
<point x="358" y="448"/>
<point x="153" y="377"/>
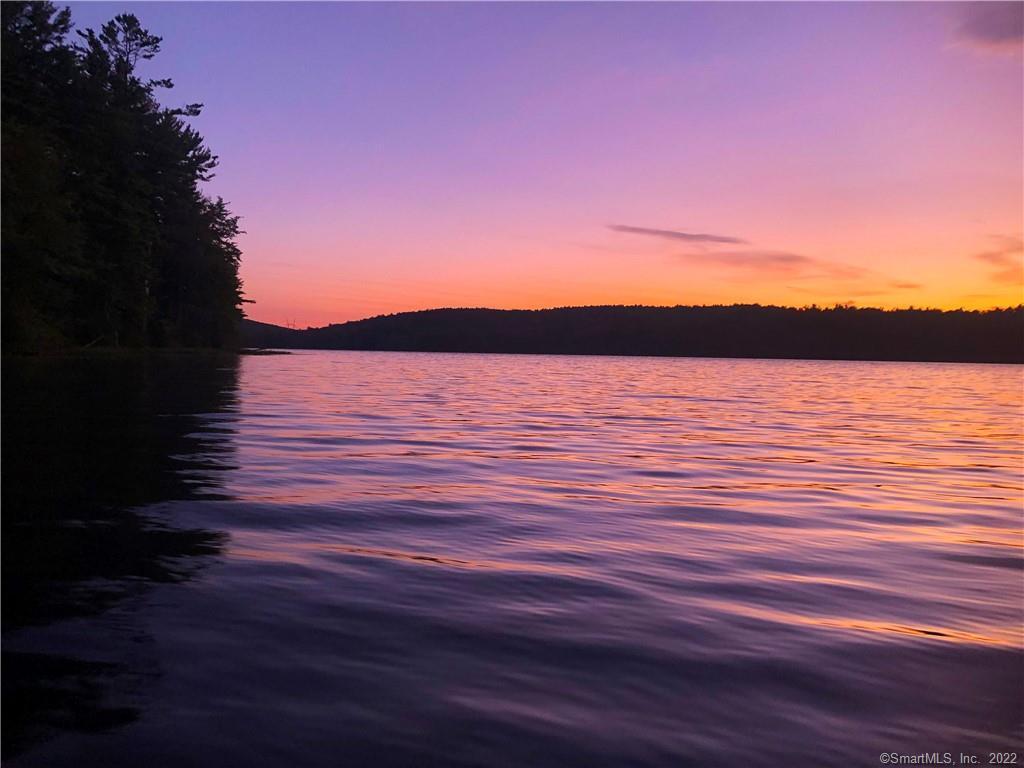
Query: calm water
<point x="352" y="558"/>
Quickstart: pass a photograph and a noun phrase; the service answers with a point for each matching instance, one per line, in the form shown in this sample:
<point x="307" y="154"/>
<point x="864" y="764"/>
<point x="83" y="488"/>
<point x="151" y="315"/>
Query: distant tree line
<point x="838" y="333"/>
<point x="107" y="238"/>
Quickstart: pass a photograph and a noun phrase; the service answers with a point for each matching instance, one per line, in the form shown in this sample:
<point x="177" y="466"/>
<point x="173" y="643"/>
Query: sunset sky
<point x="389" y="157"/>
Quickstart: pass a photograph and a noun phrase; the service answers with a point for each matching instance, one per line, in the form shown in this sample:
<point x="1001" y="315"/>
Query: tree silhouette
<point x="107" y="236"/>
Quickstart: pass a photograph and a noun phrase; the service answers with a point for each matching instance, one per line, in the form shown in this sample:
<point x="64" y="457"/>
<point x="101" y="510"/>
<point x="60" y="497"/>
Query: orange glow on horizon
<point x="315" y="296"/>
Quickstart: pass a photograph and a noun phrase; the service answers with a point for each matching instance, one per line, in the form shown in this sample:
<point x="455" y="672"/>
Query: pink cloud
<point x="993" y="27"/>
<point x="1008" y="260"/>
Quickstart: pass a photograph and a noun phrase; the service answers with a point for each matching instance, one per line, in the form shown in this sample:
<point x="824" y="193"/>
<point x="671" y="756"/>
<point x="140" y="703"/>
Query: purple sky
<point x="401" y="156"/>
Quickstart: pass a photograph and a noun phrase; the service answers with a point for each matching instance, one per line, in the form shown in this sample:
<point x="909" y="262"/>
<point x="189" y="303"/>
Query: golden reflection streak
<point x="306" y="554"/>
<point x="1004" y="637"/>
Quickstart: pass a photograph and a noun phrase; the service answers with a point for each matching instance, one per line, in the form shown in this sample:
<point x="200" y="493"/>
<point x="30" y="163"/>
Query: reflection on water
<point x="425" y="559"/>
<point x="87" y="442"/>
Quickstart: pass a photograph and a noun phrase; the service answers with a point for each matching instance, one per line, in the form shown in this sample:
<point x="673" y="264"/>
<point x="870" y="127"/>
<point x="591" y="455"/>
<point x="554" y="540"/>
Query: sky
<point x="400" y="156"/>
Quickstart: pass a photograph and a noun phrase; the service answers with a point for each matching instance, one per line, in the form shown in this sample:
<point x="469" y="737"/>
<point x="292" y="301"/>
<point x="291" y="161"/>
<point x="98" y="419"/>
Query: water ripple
<point x="536" y="560"/>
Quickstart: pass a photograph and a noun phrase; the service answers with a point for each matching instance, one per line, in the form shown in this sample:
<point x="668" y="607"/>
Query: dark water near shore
<point x="354" y="558"/>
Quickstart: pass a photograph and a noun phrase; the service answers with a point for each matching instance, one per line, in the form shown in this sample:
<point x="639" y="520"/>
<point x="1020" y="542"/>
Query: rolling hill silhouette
<point x="753" y="331"/>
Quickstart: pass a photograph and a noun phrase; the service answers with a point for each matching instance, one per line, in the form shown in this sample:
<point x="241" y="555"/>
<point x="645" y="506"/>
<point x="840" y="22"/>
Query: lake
<point x="409" y="559"/>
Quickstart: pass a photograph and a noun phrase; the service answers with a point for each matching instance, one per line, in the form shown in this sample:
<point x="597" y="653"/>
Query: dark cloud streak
<point x="992" y="27"/>
<point x="671" y="234"/>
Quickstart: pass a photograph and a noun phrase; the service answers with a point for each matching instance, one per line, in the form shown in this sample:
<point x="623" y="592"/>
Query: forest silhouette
<point x="107" y="237"/>
<point x="836" y="333"/>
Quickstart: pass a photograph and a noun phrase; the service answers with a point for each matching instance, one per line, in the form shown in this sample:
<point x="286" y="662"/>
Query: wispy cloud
<point x="766" y="265"/>
<point x="761" y="264"/>
<point x="992" y="27"/>
<point x="841" y="294"/>
<point x="868" y="285"/>
<point x="1007" y="258"/>
<point x="672" y="234"/>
